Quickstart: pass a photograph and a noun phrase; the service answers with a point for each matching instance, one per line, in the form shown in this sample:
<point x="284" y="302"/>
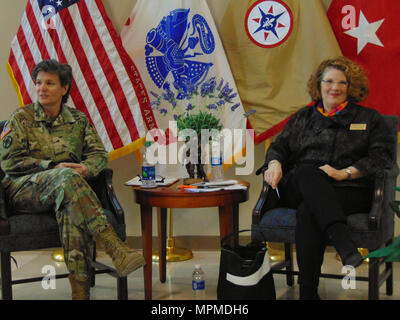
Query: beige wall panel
<point x="186" y="222"/>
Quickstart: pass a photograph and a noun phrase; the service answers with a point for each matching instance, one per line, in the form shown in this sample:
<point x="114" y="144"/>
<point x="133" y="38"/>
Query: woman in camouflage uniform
<point x="47" y="151"/>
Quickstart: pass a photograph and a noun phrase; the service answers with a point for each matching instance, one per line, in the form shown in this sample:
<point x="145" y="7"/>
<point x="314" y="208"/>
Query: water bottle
<point x="217" y="173"/>
<point x="198" y="283"/>
<point x="148" y="170"/>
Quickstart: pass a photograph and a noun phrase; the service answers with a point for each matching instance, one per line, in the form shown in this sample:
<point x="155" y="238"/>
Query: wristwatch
<point x="273" y="161"/>
<point x="348" y="171"/>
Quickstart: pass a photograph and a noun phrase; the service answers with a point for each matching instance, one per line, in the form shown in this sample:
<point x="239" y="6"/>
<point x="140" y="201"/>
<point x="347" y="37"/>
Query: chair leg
<point x="6" y="285"/>
<point x="92" y="271"/>
<point x="389" y="280"/>
<point x="289" y="267"/>
<point x="389" y="269"/>
<point x="122" y="287"/>
<point x="373" y="275"/>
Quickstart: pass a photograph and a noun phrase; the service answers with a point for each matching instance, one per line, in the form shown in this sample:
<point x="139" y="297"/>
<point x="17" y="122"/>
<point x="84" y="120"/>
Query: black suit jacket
<point x="358" y="136"/>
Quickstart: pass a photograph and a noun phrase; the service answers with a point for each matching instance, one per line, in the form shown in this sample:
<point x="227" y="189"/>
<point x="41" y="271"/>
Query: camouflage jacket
<point x="32" y="142"/>
<point x="358" y="136"/>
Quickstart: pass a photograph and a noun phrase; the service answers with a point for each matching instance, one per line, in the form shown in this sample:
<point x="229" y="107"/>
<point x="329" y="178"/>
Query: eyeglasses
<point x="339" y="83"/>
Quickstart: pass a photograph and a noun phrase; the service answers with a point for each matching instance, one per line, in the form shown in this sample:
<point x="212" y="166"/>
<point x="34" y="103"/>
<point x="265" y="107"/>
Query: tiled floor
<point x="178" y="284"/>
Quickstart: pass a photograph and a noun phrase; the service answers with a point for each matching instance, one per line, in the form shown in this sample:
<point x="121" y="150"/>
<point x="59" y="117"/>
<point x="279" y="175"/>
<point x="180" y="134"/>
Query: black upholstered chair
<point x="26" y="232"/>
<point x="370" y="230"/>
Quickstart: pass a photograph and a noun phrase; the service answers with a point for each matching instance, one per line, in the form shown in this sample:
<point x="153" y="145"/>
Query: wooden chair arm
<point x="375" y="214"/>
<point x="258" y="209"/>
<point x="4" y="225"/>
<point x="385" y="182"/>
<point x="103" y="187"/>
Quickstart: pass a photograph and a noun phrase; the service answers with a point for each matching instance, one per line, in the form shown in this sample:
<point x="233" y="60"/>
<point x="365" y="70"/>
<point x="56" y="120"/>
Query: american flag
<point x="106" y="84"/>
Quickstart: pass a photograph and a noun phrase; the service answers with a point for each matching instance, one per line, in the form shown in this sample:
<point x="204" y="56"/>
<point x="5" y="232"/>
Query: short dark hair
<point x="63" y="70"/>
<point x="358" y="88"/>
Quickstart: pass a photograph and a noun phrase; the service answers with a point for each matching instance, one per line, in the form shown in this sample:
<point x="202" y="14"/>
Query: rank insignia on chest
<point x="6" y="130"/>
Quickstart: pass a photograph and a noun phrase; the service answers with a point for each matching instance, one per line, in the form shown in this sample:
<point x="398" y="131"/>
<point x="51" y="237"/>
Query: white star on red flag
<point x="374" y="43"/>
<point x="366" y="32"/>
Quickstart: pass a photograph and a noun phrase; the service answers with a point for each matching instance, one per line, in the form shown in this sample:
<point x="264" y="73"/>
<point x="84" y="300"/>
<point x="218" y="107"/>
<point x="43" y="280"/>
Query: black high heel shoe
<point x="339" y="235"/>
<point x="354" y="259"/>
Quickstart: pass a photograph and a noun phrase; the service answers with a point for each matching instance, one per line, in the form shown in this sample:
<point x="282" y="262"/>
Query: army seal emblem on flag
<point x="268" y="23"/>
<point x="171" y="47"/>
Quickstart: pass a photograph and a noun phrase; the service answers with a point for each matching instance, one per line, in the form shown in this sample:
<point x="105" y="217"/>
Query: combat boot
<point x="125" y="260"/>
<point x="80" y="288"/>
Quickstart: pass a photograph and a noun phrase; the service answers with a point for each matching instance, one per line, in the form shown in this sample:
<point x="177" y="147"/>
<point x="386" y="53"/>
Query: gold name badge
<point x="358" y="126"/>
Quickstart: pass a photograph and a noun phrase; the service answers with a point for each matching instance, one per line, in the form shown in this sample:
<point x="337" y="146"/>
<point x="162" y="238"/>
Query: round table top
<point x="173" y="197"/>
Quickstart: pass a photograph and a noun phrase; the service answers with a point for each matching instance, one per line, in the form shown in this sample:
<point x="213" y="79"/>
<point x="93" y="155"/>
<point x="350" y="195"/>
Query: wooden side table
<point x="162" y="198"/>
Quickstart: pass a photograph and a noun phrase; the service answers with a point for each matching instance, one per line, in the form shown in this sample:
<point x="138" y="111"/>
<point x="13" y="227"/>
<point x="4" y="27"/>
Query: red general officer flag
<point x="367" y="32"/>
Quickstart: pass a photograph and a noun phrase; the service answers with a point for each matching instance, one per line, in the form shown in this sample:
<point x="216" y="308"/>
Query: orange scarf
<point x="334" y="111"/>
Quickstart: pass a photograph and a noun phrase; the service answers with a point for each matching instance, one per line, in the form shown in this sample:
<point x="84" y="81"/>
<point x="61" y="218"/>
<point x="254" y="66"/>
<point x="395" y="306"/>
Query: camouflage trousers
<point x="79" y="213"/>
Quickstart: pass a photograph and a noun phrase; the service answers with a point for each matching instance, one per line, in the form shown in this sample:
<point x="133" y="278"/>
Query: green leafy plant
<point x="391" y="253"/>
<point x="197" y="122"/>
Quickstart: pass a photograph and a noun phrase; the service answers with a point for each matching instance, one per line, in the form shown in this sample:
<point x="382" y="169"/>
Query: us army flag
<point x="177" y="50"/>
<point x="273" y="46"/>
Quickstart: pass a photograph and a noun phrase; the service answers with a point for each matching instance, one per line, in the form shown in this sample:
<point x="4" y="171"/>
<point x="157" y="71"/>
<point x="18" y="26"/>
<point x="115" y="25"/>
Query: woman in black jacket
<point x="324" y="163"/>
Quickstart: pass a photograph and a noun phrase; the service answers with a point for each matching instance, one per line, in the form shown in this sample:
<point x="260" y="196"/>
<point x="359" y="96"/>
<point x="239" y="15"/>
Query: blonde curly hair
<point x="358" y="88"/>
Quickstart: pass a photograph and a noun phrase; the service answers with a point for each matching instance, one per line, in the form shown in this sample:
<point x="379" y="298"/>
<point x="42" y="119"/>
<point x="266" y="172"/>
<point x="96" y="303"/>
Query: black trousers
<point x="319" y="205"/>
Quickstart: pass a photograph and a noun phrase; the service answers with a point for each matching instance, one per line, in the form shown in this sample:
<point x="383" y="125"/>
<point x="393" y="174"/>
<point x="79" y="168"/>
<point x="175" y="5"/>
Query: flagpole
<point x="174" y="254"/>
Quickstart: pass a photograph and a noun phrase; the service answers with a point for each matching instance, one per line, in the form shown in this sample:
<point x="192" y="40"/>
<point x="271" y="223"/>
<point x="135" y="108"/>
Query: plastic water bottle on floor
<point x="198" y="283"/>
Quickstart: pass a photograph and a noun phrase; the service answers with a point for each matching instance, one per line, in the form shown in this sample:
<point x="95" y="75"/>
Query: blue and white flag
<point x="177" y="50"/>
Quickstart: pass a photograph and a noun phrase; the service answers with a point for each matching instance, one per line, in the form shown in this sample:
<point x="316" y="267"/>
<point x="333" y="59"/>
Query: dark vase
<point x="196" y="171"/>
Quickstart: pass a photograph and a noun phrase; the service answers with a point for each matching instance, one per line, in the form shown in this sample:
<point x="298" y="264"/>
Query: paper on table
<point x="136" y="182"/>
<point x="222" y="183"/>
<point x="204" y="190"/>
<point x="236" y="186"/>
